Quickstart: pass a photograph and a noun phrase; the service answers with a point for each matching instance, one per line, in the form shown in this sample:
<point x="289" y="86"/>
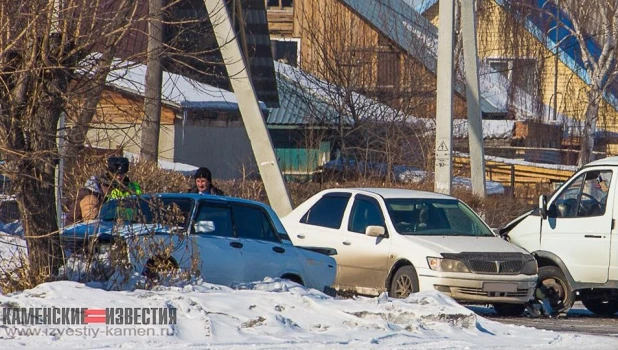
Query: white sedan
<point x="228" y="240"/>
<point x="403" y="241"/>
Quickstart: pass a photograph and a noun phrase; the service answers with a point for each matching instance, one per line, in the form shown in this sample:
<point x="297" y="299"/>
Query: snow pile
<point x="276" y="314"/>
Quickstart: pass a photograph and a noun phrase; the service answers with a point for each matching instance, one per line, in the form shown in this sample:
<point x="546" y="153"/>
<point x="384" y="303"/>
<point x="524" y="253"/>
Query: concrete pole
<point x="261" y="143"/>
<point x="61" y="132"/>
<point x="473" y="98"/>
<point x="444" y="99"/>
<point x="151" y="124"/>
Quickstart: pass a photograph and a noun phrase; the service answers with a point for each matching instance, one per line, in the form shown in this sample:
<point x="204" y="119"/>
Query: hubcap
<point x="552" y="290"/>
<point x="403" y="287"/>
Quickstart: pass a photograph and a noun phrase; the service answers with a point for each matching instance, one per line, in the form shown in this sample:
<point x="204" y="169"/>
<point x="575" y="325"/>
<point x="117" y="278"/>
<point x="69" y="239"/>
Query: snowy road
<point x="578" y="320"/>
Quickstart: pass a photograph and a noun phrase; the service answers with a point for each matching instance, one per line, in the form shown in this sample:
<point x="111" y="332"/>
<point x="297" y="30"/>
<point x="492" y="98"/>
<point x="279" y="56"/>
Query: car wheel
<point x="503" y="309"/>
<point x="404" y="282"/>
<point x="553" y="290"/>
<point x="293" y="278"/>
<point x="601" y="307"/>
<point x="158" y="267"/>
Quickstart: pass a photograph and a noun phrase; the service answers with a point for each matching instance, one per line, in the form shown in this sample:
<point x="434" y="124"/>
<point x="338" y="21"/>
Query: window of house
<point x="285" y="51"/>
<point x="328" y="211"/>
<point x="389" y="69"/>
<point x="279" y="3"/>
<point x="522" y="72"/>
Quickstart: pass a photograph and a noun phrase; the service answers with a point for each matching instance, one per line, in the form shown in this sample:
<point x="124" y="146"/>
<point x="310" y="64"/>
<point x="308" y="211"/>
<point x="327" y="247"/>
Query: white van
<point x="574" y="238"/>
<point x="404" y="241"/>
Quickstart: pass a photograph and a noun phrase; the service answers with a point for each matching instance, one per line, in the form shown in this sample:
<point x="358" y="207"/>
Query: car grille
<point x="520" y="293"/>
<point x="496" y="266"/>
<point x="491" y="263"/>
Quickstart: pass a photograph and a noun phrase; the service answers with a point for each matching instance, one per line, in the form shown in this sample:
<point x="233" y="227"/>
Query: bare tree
<point x="600" y="66"/>
<point x="369" y="85"/>
<point x="54" y="57"/>
<point x="586" y="30"/>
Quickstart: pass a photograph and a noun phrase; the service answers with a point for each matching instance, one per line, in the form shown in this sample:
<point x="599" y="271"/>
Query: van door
<point x="579" y="224"/>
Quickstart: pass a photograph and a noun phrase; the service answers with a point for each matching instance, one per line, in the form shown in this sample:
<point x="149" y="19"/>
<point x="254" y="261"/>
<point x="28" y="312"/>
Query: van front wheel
<point x="553" y="290"/>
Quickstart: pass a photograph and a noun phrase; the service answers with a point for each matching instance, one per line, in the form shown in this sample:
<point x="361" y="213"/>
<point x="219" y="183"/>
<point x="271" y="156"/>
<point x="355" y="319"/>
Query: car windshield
<point x="148" y="210"/>
<point x="435" y="217"/>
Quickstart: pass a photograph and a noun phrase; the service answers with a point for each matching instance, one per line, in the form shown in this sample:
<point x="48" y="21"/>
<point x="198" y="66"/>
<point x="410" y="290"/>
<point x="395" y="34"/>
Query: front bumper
<point x="482" y="289"/>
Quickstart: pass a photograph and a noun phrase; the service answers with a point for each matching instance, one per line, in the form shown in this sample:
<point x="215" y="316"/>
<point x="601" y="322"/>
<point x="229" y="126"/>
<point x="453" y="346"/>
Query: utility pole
<point x="151" y="124"/>
<point x="261" y="143"/>
<point x="61" y="134"/>
<point x="473" y="98"/>
<point x="444" y="99"/>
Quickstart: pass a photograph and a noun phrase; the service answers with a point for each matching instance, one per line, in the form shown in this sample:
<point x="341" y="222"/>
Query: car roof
<point x="198" y="196"/>
<point x="604" y="161"/>
<point x="393" y="192"/>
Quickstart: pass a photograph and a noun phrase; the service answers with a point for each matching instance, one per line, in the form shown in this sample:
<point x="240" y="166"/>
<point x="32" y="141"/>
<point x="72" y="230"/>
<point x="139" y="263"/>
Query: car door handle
<point x="593" y="236"/>
<point x="347" y="243"/>
<point x="301" y="236"/>
<point x="236" y="244"/>
<point x="278" y="250"/>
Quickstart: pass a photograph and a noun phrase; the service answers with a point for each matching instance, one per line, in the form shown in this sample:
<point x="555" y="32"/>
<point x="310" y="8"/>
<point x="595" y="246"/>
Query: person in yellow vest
<point x="120" y="185"/>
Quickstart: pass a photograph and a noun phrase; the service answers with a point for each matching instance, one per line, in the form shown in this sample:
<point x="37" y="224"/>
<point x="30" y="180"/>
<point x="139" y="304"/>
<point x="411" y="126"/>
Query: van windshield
<point x="435" y="217"/>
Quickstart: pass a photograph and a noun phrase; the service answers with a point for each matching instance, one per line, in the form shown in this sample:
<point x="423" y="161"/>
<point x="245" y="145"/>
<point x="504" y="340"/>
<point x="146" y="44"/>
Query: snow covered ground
<point x="275" y="314"/>
<point x="269" y="314"/>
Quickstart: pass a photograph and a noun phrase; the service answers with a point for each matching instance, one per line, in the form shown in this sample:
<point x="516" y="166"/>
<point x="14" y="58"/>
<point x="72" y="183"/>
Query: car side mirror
<point x="374" y="231"/>
<point x="543" y="206"/>
<point x="204" y="226"/>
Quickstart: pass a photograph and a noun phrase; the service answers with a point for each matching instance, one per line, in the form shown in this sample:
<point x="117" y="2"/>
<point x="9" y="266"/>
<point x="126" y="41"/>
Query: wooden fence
<point x="520" y="179"/>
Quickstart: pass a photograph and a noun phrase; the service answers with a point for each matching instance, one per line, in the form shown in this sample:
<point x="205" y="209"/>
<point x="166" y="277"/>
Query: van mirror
<point x="543" y="206"/>
<point x="374" y="231"/>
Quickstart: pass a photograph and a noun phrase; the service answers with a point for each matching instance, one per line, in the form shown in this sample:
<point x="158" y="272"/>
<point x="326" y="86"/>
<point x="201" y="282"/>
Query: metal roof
<point x="398" y="21"/>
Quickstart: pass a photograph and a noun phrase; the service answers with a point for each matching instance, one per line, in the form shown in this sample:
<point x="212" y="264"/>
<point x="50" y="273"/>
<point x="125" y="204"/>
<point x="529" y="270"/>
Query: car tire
<point x="404" y="282"/>
<point x="293" y="278"/>
<point x="157" y="266"/>
<point x="601" y="307"/>
<point x="553" y="289"/>
<point x="503" y="309"/>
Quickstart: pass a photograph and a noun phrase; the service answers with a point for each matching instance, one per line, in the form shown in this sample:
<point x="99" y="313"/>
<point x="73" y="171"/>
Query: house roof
<point x="567" y="50"/>
<point x="402" y="24"/>
<point x="398" y="21"/>
<point x="307" y="100"/>
<point x="176" y="90"/>
<point x="188" y="29"/>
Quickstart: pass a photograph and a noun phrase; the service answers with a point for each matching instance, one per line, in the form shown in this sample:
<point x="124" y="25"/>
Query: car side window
<point x="252" y="222"/>
<point x="328" y="211"/>
<point x="365" y="212"/>
<point x="213" y="219"/>
<point x="584" y="197"/>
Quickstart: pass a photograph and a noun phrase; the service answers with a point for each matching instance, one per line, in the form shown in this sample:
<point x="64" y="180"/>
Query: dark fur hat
<point x="203" y="173"/>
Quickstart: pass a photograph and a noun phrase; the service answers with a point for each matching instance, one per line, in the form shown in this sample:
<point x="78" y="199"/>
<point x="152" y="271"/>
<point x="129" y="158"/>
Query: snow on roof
<point x="176" y="89"/>
<point x="334" y="96"/>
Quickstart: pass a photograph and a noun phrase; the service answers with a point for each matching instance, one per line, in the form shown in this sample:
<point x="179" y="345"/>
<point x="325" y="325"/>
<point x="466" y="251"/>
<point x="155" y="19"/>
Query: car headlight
<point x="530" y="267"/>
<point x="446" y="265"/>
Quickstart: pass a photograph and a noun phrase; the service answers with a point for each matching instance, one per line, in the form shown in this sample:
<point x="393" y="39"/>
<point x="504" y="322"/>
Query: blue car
<point x="228" y="240"/>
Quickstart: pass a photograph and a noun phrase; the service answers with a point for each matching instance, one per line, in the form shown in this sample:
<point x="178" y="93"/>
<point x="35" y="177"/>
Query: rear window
<point x="327" y="212"/>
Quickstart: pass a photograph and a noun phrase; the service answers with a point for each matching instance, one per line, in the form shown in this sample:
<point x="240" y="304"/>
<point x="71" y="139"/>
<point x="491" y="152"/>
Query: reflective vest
<point x="131" y="189"/>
